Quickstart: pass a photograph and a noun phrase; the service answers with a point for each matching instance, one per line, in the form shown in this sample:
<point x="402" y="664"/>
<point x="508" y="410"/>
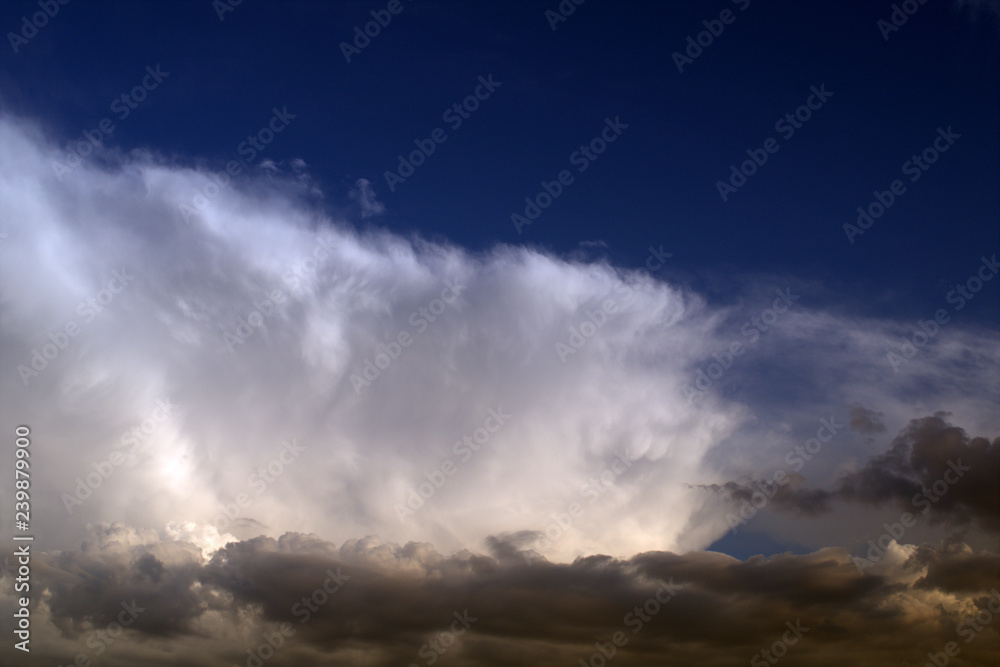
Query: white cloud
<point x="342" y="294"/>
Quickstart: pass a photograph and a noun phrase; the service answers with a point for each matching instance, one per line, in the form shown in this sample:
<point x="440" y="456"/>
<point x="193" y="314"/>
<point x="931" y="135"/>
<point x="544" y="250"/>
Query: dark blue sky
<point x="655" y="185"/>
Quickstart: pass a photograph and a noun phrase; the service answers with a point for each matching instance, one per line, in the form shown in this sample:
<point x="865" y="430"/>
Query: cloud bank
<point x="373" y="603"/>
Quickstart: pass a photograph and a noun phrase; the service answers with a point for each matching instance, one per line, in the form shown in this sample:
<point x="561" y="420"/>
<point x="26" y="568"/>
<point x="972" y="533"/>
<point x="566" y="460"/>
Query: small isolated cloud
<point x="866" y="421"/>
<point x="364" y="195"/>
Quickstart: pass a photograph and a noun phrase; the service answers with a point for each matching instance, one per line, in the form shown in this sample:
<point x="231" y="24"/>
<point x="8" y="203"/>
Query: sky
<point x="517" y="333"/>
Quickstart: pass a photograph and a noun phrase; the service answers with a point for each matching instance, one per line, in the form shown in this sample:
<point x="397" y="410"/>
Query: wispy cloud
<point x="364" y="195"/>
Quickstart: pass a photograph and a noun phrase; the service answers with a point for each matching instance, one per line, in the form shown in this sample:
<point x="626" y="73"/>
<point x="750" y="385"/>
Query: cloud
<point x="792" y="495"/>
<point x="937" y="468"/>
<point x="267" y="318"/>
<point x="386" y="601"/>
<point x="954" y="567"/>
<point x="364" y="195"/>
<point x="866" y="421"/>
<point x="932" y="467"/>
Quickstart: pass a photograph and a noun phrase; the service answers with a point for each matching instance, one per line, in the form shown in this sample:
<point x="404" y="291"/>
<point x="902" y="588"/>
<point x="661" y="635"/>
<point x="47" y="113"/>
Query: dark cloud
<point x="790" y="496"/>
<point x="937" y="469"/>
<point x="369" y="603"/>
<point x="866" y="421"/>
<point x="88" y="587"/>
<point x="957" y="568"/>
<point x="932" y="467"/>
<point x="508" y="546"/>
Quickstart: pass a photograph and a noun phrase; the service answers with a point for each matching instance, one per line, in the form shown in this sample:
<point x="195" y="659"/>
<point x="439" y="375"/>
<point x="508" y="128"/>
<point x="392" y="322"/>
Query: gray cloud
<point x="936" y="468"/>
<point x="866" y="421"/>
<point x="387" y="601"/>
<point x="932" y="467"/>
